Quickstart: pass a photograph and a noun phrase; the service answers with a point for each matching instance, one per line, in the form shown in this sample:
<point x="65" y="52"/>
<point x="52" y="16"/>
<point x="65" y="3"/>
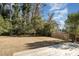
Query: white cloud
<point x="60" y="16"/>
<point x="64" y="11"/>
<point x="57" y="6"/>
<point x="60" y="13"/>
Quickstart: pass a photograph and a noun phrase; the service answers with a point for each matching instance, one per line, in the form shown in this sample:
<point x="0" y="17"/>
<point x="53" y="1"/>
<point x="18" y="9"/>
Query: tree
<point x="26" y="19"/>
<point x="50" y="27"/>
<point x="26" y="8"/>
<point x="72" y="25"/>
<point x="37" y="24"/>
<point x="5" y="10"/>
<point x="16" y="21"/>
<point x="5" y="26"/>
<point x="27" y="26"/>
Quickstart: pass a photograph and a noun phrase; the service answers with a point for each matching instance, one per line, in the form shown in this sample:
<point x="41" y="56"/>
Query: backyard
<point x="31" y="26"/>
<point x="11" y="45"/>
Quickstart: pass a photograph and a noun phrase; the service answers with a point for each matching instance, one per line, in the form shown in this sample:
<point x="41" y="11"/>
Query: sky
<point x="60" y="11"/>
<point x="73" y="7"/>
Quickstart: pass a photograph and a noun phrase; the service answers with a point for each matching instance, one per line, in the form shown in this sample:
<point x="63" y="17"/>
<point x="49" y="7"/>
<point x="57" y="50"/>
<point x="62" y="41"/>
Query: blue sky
<point x="60" y="11"/>
<point x="73" y="7"/>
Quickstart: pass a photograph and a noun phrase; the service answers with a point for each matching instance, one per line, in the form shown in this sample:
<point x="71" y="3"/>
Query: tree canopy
<point x="72" y="25"/>
<point x="17" y="19"/>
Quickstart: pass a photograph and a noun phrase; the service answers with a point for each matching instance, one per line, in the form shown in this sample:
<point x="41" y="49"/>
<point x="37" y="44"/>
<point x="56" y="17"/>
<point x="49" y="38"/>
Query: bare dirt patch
<point x="10" y="45"/>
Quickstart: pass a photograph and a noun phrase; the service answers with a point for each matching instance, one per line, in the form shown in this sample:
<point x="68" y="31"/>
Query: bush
<point x="38" y="24"/>
<point x="5" y="26"/>
<point x="49" y="28"/>
<point x="20" y="27"/>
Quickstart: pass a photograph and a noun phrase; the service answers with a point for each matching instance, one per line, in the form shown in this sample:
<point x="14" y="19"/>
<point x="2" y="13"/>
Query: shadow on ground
<point x="42" y="44"/>
<point x="52" y="44"/>
<point x="67" y="45"/>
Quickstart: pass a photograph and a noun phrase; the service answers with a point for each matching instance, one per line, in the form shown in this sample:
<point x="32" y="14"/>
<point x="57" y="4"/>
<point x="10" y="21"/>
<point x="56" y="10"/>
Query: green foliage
<point x="17" y="26"/>
<point x="25" y="19"/>
<point x="37" y="23"/>
<point x="5" y="25"/>
<point x="49" y="28"/>
<point x="21" y="27"/>
<point x="28" y="29"/>
<point x="72" y="25"/>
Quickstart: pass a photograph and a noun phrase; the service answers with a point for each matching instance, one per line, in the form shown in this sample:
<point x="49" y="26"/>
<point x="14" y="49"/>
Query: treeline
<point x="23" y="19"/>
<point x="72" y="26"/>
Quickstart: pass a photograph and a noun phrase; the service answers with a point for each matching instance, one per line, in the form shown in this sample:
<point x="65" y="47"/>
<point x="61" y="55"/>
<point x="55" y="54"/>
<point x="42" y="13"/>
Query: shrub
<point x="5" y="26"/>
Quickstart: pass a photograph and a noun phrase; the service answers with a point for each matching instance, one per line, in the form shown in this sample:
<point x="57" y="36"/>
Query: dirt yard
<point x="10" y="45"/>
